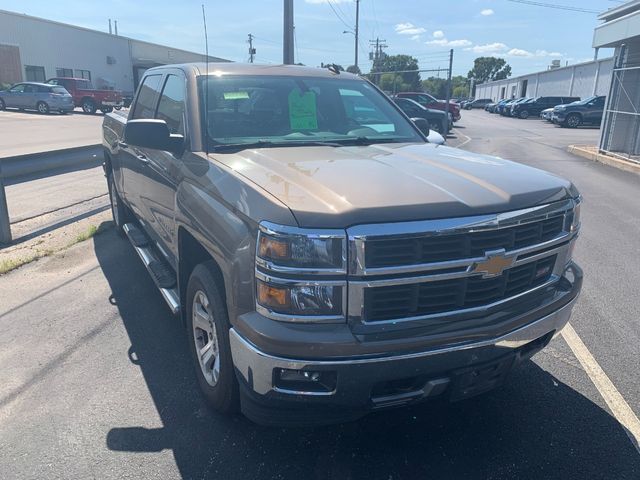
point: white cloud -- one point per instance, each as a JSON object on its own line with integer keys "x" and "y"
{"x": 443, "y": 42}
{"x": 460, "y": 43}
{"x": 438, "y": 34}
{"x": 487, "y": 11}
{"x": 408, "y": 29}
{"x": 415, "y": 37}
{"x": 518, "y": 52}
{"x": 488, "y": 48}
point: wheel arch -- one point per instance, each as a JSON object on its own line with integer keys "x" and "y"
{"x": 192, "y": 253}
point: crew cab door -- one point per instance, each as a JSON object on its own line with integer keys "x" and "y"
{"x": 164, "y": 169}
{"x": 133, "y": 161}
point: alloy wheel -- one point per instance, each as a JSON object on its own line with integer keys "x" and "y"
{"x": 205, "y": 338}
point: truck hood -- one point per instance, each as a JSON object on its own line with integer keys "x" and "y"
{"x": 336, "y": 187}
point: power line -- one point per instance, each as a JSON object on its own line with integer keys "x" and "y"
{"x": 555, "y": 5}
{"x": 338, "y": 15}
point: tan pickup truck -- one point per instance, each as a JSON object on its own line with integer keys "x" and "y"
{"x": 325, "y": 259}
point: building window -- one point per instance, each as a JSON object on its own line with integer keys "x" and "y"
{"x": 64, "y": 72}
{"x": 86, "y": 74}
{"x": 34, "y": 73}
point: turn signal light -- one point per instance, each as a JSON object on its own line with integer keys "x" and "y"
{"x": 270, "y": 247}
{"x": 274, "y": 297}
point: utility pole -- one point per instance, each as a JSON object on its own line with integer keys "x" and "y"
{"x": 471, "y": 80}
{"x": 287, "y": 43}
{"x": 377, "y": 54}
{"x": 446, "y": 107}
{"x": 357, "y": 26}
{"x": 252, "y": 51}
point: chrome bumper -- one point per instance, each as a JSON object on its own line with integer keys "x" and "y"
{"x": 256, "y": 367}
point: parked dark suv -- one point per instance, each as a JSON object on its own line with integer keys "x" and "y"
{"x": 479, "y": 103}
{"x": 535, "y": 107}
{"x": 587, "y": 111}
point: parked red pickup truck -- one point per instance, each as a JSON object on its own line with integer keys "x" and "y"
{"x": 428, "y": 101}
{"x": 87, "y": 97}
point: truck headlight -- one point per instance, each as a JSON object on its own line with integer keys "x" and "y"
{"x": 292, "y": 266}
{"x": 284, "y": 248}
{"x": 572, "y": 219}
{"x": 298, "y": 299}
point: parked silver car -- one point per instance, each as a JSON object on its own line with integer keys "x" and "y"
{"x": 37, "y": 96}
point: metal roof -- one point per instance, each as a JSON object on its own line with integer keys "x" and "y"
{"x": 616, "y": 12}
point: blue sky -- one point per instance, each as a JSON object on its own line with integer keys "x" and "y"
{"x": 528, "y": 37}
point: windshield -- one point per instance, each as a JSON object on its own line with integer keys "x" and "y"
{"x": 286, "y": 110}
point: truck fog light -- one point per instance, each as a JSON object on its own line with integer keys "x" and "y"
{"x": 305, "y": 381}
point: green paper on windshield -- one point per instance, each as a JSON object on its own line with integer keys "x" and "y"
{"x": 236, "y": 95}
{"x": 302, "y": 110}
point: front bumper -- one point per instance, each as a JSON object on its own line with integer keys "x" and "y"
{"x": 558, "y": 117}
{"x": 366, "y": 383}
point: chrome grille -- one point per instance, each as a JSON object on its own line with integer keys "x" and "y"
{"x": 417, "y": 270}
{"x": 418, "y": 299}
{"x": 442, "y": 248}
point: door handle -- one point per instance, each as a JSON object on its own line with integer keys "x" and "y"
{"x": 143, "y": 158}
{"x": 123, "y": 145}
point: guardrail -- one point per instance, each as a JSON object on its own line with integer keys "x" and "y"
{"x": 38, "y": 163}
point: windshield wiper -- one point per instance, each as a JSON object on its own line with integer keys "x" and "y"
{"x": 230, "y": 147}
{"x": 372, "y": 140}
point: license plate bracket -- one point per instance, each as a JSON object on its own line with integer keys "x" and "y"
{"x": 472, "y": 381}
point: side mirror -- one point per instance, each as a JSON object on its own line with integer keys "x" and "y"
{"x": 152, "y": 133}
{"x": 422, "y": 125}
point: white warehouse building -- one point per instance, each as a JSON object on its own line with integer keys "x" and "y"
{"x": 580, "y": 80}
{"x": 35, "y": 49}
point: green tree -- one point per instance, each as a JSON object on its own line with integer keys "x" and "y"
{"x": 393, "y": 83}
{"x": 438, "y": 86}
{"x": 354, "y": 69}
{"x": 398, "y": 63}
{"x": 487, "y": 69}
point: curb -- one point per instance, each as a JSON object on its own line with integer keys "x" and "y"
{"x": 591, "y": 153}
{"x": 21, "y": 165}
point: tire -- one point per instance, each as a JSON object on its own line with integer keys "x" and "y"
{"x": 2, "y": 105}
{"x": 106, "y": 110}
{"x": 524, "y": 114}
{"x": 205, "y": 298}
{"x": 118, "y": 108}
{"x": 42, "y": 107}
{"x": 573, "y": 120}
{"x": 88, "y": 106}
{"x": 119, "y": 210}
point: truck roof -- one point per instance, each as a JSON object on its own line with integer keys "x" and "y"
{"x": 232, "y": 68}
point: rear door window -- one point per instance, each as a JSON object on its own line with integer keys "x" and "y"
{"x": 145, "y": 106}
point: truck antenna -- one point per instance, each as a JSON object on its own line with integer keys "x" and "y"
{"x": 205, "y": 84}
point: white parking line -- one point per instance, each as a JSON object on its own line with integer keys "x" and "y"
{"x": 618, "y": 405}
{"x": 468, "y": 139}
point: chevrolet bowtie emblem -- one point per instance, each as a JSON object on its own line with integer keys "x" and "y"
{"x": 494, "y": 263}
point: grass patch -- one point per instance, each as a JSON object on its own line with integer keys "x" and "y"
{"x": 9, "y": 264}
{"x": 13, "y": 263}
{"x": 86, "y": 235}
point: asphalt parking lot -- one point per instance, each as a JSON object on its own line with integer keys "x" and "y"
{"x": 97, "y": 383}
{"x": 31, "y": 132}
